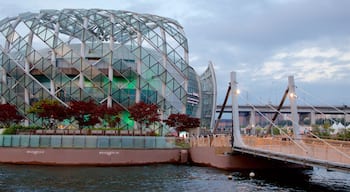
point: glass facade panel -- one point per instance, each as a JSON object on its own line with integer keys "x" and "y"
{"x": 150, "y": 142}
{"x": 1, "y": 140}
{"x": 91, "y": 141}
{"x": 208, "y": 93}
{"x": 7, "y": 141}
{"x": 16, "y": 140}
{"x": 139, "y": 142}
{"x": 127, "y": 142}
{"x": 34, "y": 141}
{"x": 25, "y": 140}
{"x": 67, "y": 141}
{"x": 79, "y": 141}
{"x": 45, "y": 141}
{"x": 164, "y": 142}
{"x": 56, "y": 141}
{"x": 155, "y": 62}
{"x": 103, "y": 142}
{"x": 115, "y": 142}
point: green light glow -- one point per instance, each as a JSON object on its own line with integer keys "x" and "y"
{"x": 124, "y": 118}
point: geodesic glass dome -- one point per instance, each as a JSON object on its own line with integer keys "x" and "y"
{"x": 109, "y": 56}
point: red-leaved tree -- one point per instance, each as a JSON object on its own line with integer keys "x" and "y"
{"x": 182, "y": 122}
{"x": 110, "y": 114}
{"x": 85, "y": 112}
{"x": 144, "y": 114}
{"x": 9, "y": 114}
{"x": 50, "y": 110}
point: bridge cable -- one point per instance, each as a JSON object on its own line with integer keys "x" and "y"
{"x": 333, "y": 147}
{"x": 314, "y": 108}
{"x": 318, "y": 138}
{"x": 266, "y": 118}
{"x": 333, "y": 107}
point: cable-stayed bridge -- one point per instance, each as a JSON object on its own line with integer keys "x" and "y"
{"x": 307, "y": 149}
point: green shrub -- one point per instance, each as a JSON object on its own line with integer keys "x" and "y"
{"x": 181, "y": 143}
{"x": 275, "y": 131}
{"x": 105, "y": 129}
{"x": 14, "y": 128}
{"x": 9, "y": 131}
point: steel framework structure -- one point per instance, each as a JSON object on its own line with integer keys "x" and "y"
{"x": 109, "y": 56}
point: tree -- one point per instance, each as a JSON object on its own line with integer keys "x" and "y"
{"x": 144, "y": 113}
{"x": 182, "y": 122}
{"x": 85, "y": 112}
{"x": 50, "y": 110}
{"x": 110, "y": 114}
{"x": 9, "y": 114}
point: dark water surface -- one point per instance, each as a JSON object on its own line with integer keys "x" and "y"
{"x": 164, "y": 178}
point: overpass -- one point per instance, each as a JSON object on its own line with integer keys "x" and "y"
{"x": 336, "y": 110}
{"x": 302, "y": 111}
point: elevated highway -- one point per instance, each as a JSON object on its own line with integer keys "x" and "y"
{"x": 336, "y": 110}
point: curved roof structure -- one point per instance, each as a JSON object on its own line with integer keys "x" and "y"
{"x": 113, "y": 57}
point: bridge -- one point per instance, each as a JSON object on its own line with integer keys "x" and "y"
{"x": 304, "y": 111}
{"x": 333, "y": 110}
{"x": 307, "y": 149}
{"x": 310, "y": 152}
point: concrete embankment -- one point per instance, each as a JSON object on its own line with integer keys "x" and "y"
{"x": 209, "y": 151}
{"x": 106, "y": 157}
{"x": 219, "y": 157}
{"x": 216, "y": 152}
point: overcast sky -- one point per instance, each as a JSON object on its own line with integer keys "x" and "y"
{"x": 264, "y": 41}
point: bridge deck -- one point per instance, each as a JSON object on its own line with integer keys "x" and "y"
{"x": 334, "y": 155}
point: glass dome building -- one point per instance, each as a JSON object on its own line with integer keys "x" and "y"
{"x": 109, "y": 56}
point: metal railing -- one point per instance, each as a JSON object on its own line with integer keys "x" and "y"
{"x": 83, "y": 141}
{"x": 315, "y": 151}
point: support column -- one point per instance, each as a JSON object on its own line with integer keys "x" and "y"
{"x": 138, "y": 68}
{"x": 27, "y": 71}
{"x": 3, "y": 82}
{"x": 293, "y": 107}
{"x": 82, "y": 54}
{"x": 347, "y": 117}
{"x": 252, "y": 122}
{"x": 53, "y": 87}
{"x": 110, "y": 68}
{"x": 164, "y": 64}
{"x": 235, "y": 113}
{"x": 312, "y": 117}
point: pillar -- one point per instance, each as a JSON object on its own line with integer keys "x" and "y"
{"x": 235, "y": 113}
{"x": 138, "y": 68}
{"x": 252, "y": 121}
{"x": 293, "y": 107}
{"x": 312, "y": 117}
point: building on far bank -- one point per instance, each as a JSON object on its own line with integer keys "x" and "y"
{"x": 109, "y": 56}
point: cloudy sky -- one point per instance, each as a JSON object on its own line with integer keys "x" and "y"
{"x": 264, "y": 41}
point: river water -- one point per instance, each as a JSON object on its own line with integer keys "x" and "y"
{"x": 164, "y": 177}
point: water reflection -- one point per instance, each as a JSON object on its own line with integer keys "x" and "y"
{"x": 164, "y": 178}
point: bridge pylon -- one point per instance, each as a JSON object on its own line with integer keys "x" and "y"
{"x": 237, "y": 138}
{"x": 293, "y": 106}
